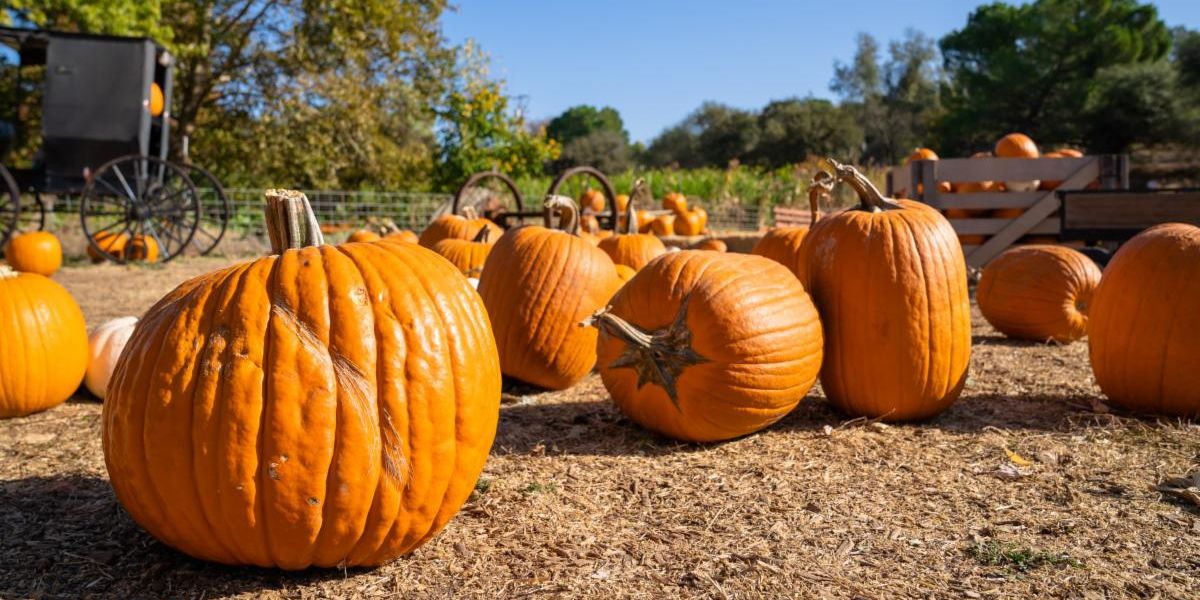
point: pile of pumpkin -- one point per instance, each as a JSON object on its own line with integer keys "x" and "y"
{"x": 334, "y": 404}
{"x": 1013, "y": 145}
{"x": 675, "y": 217}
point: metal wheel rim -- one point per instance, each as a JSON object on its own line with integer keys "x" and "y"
{"x": 10, "y": 207}
{"x": 214, "y": 212}
{"x": 135, "y": 199}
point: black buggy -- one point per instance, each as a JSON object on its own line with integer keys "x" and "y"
{"x": 105, "y": 125}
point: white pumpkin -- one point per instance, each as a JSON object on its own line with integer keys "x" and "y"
{"x": 105, "y": 344}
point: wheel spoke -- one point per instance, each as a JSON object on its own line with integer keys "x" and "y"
{"x": 125, "y": 184}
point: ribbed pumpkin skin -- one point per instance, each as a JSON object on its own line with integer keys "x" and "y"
{"x": 782, "y": 245}
{"x": 537, "y": 285}
{"x": 327, "y": 406}
{"x": 34, "y": 252}
{"x": 625, "y": 272}
{"x": 1144, "y": 326}
{"x": 466, "y": 255}
{"x": 457, "y": 227}
{"x": 43, "y": 344}
{"x": 755, "y": 326}
{"x": 1038, "y": 292}
{"x": 633, "y": 250}
{"x": 891, "y": 288}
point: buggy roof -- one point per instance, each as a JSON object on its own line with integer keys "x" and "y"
{"x": 31, "y": 44}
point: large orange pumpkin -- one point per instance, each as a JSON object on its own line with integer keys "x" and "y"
{"x": 890, "y": 282}
{"x": 43, "y": 344}
{"x": 458, "y": 227}
{"x": 782, "y": 245}
{"x": 629, "y": 247}
{"x": 34, "y": 252}
{"x": 325, "y": 406}
{"x": 703, "y": 346}
{"x": 109, "y": 242}
{"x": 467, "y": 256}
{"x": 1018, "y": 145}
{"x": 142, "y": 248}
{"x": 1038, "y": 293}
{"x": 1144, "y": 325}
{"x": 537, "y": 284}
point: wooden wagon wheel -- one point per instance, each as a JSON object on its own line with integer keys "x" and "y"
{"x": 474, "y": 179}
{"x": 215, "y": 209}
{"x": 150, "y": 202}
{"x": 604, "y": 183}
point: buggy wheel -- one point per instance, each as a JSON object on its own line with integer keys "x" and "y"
{"x": 10, "y": 207}
{"x": 215, "y": 209}
{"x": 149, "y": 204}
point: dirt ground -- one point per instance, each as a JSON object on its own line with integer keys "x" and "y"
{"x": 1028, "y": 486}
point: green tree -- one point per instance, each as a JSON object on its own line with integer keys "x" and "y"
{"x": 480, "y": 132}
{"x": 1136, "y": 103}
{"x": 605, "y": 150}
{"x": 676, "y": 146}
{"x": 793, "y": 129}
{"x": 583, "y": 120}
{"x": 712, "y": 135}
{"x": 1031, "y": 67}
{"x": 111, "y": 17}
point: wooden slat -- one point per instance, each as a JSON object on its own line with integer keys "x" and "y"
{"x": 792, "y": 217}
{"x": 1035, "y": 214}
{"x": 993, "y": 226}
{"x": 987, "y": 200}
{"x": 1010, "y": 169}
{"x": 1129, "y": 211}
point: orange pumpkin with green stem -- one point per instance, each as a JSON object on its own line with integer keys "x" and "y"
{"x": 326, "y": 406}
{"x": 704, "y": 346}
{"x": 537, "y": 284}
{"x": 1144, "y": 323}
{"x": 890, "y": 282}
{"x": 43, "y": 343}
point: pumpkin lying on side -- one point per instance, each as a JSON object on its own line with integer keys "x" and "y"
{"x": 43, "y": 343}
{"x": 323, "y": 406}
{"x": 1144, "y": 325}
{"x": 458, "y": 227}
{"x": 34, "y": 252}
{"x": 704, "y": 346}
{"x": 467, "y": 256}
{"x": 890, "y": 282}
{"x": 141, "y": 248}
{"x": 1038, "y": 293}
{"x": 629, "y": 247}
{"x": 109, "y": 242}
{"x": 536, "y": 284}
{"x": 105, "y": 343}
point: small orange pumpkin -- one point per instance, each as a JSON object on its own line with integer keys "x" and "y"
{"x": 663, "y": 225}
{"x": 974, "y": 187}
{"x": 364, "y": 235}
{"x": 537, "y": 284}
{"x": 109, "y": 242}
{"x": 622, "y": 202}
{"x": 1038, "y": 292}
{"x": 403, "y": 235}
{"x": 702, "y": 346}
{"x": 468, "y": 256}
{"x": 689, "y": 223}
{"x": 593, "y": 200}
{"x": 34, "y": 252}
{"x": 1144, "y": 323}
{"x": 43, "y": 343}
{"x": 674, "y": 201}
{"x": 142, "y": 248}
{"x": 1052, "y": 184}
{"x": 923, "y": 154}
{"x": 631, "y": 248}
{"x": 1018, "y": 145}
{"x": 460, "y": 227}
{"x": 712, "y": 244}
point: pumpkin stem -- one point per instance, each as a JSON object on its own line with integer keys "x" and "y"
{"x": 469, "y": 212}
{"x": 870, "y": 198}
{"x": 565, "y": 209}
{"x": 7, "y": 272}
{"x": 630, "y": 213}
{"x": 658, "y": 357}
{"x": 484, "y": 233}
{"x": 822, "y": 184}
{"x": 291, "y": 223}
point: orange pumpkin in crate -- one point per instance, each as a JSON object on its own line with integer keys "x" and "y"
{"x": 1018, "y": 145}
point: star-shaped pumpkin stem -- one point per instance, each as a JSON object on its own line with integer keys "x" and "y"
{"x": 658, "y": 357}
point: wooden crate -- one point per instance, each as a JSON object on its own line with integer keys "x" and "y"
{"x": 1122, "y": 214}
{"x": 920, "y": 180}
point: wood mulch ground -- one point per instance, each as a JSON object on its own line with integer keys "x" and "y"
{"x": 1028, "y": 486}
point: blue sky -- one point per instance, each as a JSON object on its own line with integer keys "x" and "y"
{"x": 657, "y": 60}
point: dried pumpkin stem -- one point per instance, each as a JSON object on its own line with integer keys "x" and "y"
{"x": 469, "y": 212}
{"x": 631, "y": 226}
{"x": 822, "y": 184}
{"x": 484, "y": 233}
{"x": 658, "y": 357}
{"x": 869, "y": 197}
{"x": 7, "y": 272}
{"x": 566, "y": 212}
{"x": 291, "y": 223}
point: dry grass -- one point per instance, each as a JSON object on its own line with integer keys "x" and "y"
{"x": 577, "y": 501}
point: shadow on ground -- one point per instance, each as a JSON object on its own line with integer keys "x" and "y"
{"x": 67, "y": 537}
